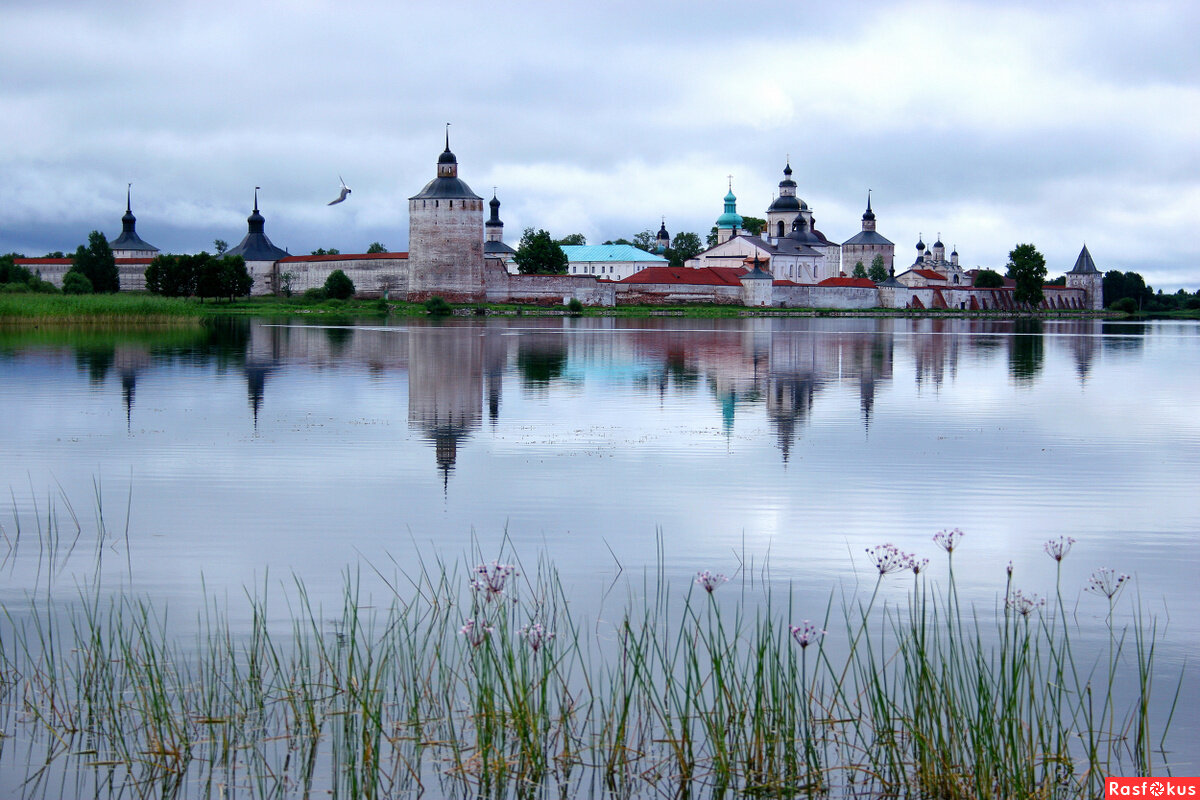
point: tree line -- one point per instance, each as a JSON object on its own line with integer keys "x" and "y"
{"x": 539, "y": 253}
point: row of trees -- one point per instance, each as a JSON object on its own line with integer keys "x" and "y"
{"x": 93, "y": 269}
{"x": 201, "y": 275}
{"x": 1128, "y": 291}
{"x": 877, "y": 271}
{"x": 541, "y": 254}
{"x": 15, "y": 278}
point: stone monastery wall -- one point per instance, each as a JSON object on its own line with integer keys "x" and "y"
{"x": 372, "y": 273}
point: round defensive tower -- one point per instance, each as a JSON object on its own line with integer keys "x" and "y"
{"x": 445, "y": 236}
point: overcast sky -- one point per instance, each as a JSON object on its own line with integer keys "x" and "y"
{"x": 990, "y": 123}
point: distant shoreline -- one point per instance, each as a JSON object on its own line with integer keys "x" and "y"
{"x": 142, "y": 308}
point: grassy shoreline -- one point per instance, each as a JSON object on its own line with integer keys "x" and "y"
{"x": 480, "y": 679}
{"x": 147, "y": 309}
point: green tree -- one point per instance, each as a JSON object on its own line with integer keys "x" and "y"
{"x": 1119, "y": 284}
{"x": 437, "y": 306}
{"x": 235, "y": 278}
{"x": 339, "y": 286}
{"x": 220, "y": 245}
{"x": 76, "y": 283}
{"x": 620, "y": 241}
{"x": 988, "y": 279}
{"x": 376, "y": 247}
{"x": 860, "y": 271}
{"x": 1027, "y": 267}
{"x": 55, "y": 254}
{"x": 10, "y": 272}
{"x": 878, "y": 272}
{"x": 645, "y": 240}
{"x": 208, "y": 276}
{"x": 97, "y": 264}
{"x": 321, "y": 251}
{"x": 685, "y": 245}
{"x": 172, "y": 276}
{"x": 539, "y": 255}
{"x": 571, "y": 239}
{"x": 753, "y": 225}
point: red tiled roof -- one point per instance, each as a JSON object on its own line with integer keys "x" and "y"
{"x": 342, "y": 257}
{"x": 930, "y": 274}
{"x": 864, "y": 283}
{"x": 701, "y": 276}
{"x": 35, "y": 261}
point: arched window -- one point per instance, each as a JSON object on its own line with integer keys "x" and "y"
{"x": 779, "y": 229}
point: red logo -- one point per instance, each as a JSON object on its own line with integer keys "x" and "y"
{"x": 1151, "y": 787}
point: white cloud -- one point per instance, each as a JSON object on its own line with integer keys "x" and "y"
{"x": 996, "y": 122}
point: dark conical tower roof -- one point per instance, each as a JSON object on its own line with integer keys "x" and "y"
{"x": 494, "y": 203}
{"x": 868, "y": 214}
{"x": 129, "y": 240}
{"x": 256, "y": 246}
{"x": 447, "y": 157}
{"x": 1084, "y": 264}
{"x": 447, "y": 185}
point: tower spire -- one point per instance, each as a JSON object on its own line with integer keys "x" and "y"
{"x": 256, "y": 188}
{"x": 129, "y": 198}
{"x": 447, "y": 137}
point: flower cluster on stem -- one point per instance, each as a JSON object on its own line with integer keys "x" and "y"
{"x": 948, "y": 540}
{"x": 1106, "y": 581}
{"x": 1058, "y": 548}
{"x": 535, "y": 635}
{"x": 490, "y": 579}
{"x": 888, "y": 558}
{"x": 476, "y": 632}
{"x": 709, "y": 581}
{"x": 1024, "y": 604}
{"x": 805, "y": 633}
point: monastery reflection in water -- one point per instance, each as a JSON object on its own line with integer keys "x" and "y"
{"x": 784, "y": 364}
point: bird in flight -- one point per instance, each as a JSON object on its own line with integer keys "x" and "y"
{"x": 342, "y": 196}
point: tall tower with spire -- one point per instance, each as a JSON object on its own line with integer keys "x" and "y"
{"x": 445, "y": 236}
{"x": 493, "y": 245}
{"x": 129, "y": 244}
{"x": 260, "y": 253}
{"x": 729, "y": 222}
{"x": 865, "y": 245}
{"x": 662, "y": 240}
{"x": 782, "y": 213}
{"x": 1085, "y": 276}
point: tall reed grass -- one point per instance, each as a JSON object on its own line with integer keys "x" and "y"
{"x": 477, "y": 679}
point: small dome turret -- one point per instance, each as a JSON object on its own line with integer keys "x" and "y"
{"x": 730, "y": 219}
{"x": 129, "y": 242}
{"x": 787, "y": 182}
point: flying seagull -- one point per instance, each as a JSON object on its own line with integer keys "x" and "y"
{"x": 342, "y": 196}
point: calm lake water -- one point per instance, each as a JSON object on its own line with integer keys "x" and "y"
{"x": 247, "y": 452}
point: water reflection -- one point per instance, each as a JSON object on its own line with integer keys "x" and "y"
{"x": 445, "y": 389}
{"x": 783, "y": 366}
{"x": 1026, "y": 350}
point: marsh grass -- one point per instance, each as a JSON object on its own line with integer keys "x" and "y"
{"x": 476, "y": 679}
{"x": 99, "y": 309}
